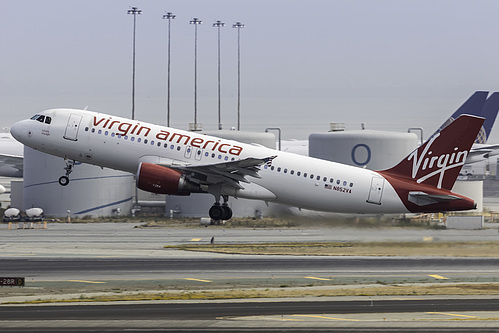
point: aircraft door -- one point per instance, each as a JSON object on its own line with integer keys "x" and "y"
{"x": 72, "y": 127}
{"x": 376, "y": 190}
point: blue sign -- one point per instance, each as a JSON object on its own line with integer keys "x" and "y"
{"x": 362, "y": 147}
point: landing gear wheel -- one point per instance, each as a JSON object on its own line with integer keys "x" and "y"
{"x": 227, "y": 213}
{"x": 216, "y": 212}
{"x": 64, "y": 180}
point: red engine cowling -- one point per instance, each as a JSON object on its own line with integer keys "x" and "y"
{"x": 159, "y": 179}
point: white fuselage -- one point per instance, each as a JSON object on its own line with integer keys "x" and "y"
{"x": 121, "y": 144}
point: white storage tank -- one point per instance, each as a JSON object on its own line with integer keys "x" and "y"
{"x": 375, "y": 150}
{"x": 92, "y": 191}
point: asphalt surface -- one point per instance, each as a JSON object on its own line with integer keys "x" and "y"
{"x": 81, "y": 259}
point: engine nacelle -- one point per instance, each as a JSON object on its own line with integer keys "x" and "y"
{"x": 159, "y": 179}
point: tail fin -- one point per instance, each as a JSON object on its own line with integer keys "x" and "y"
{"x": 478, "y": 105}
{"x": 473, "y": 106}
{"x": 489, "y": 112}
{"x": 438, "y": 161}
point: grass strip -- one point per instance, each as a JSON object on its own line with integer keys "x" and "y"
{"x": 445, "y": 249}
{"x": 395, "y": 290}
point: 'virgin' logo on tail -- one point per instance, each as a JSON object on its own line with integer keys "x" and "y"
{"x": 435, "y": 164}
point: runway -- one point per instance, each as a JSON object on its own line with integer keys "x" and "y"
{"x": 69, "y": 261}
{"x": 354, "y": 316}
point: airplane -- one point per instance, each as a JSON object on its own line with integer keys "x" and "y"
{"x": 176, "y": 162}
{"x": 479, "y": 105}
{"x": 11, "y": 156}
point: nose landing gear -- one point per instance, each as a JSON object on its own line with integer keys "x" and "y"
{"x": 64, "y": 180}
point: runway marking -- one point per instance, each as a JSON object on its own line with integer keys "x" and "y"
{"x": 316, "y": 278}
{"x": 451, "y": 314}
{"x": 191, "y": 279}
{"x": 439, "y": 277}
{"x": 196, "y": 239}
{"x": 85, "y": 281}
{"x": 324, "y": 317}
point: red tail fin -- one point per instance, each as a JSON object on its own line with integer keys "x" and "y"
{"x": 438, "y": 161}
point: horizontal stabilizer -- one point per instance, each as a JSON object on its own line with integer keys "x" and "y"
{"x": 423, "y": 199}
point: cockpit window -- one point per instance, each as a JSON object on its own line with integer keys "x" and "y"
{"x": 42, "y": 119}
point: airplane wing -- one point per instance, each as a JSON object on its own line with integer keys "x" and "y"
{"x": 11, "y": 165}
{"x": 226, "y": 173}
{"x": 423, "y": 199}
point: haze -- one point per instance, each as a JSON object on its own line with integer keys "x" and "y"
{"x": 304, "y": 64}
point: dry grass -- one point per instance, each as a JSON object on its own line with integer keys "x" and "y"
{"x": 398, "y": 290}
{"x": 446, "y": 249}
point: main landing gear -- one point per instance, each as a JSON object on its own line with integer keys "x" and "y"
{"x": 221, "y": 211}
{"x": 64, "y": 180}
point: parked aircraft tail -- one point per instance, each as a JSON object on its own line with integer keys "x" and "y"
{"x": 478, "y": 105}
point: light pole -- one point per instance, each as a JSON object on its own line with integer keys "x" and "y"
{"x": 196, "y": 22}
{"x": 134, "y": 11}
{"x": 238, "y": 25}
{"x": 169, "y": 16}
{"x": 218, "y": 25}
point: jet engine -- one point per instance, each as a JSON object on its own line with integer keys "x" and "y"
{"x": 159, "y": 179}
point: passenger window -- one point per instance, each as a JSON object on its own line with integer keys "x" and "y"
{"x": 279, "y": 169}
{"x": 312, "y": 176}
{"x": 298, "y": 173}
{"x": 331, "y": 180}
{"x": 285, "y": 170}
{"x": 292, "y": 172}
{"x": 325, "y": 179}
{"x": 305, "y": 175}
{"x": 145, "y": 140}
{"x": 338, "y": 182}
{"x": 318, "y": 177}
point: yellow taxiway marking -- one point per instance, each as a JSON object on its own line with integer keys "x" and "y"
{"x": 316, "y": 278}
{"x": 440, "y": 277}
{"x": 451, "y": 314}
{"x": 84, "y": 281}
{"x": 191, "y": 279}
{"x": 195, "y": 239}
{"x": 324, "y": 317}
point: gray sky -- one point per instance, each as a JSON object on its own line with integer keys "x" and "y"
{"x": 390, "y": 64}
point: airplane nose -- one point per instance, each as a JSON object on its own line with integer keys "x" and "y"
{"x": 19, "y": 130}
